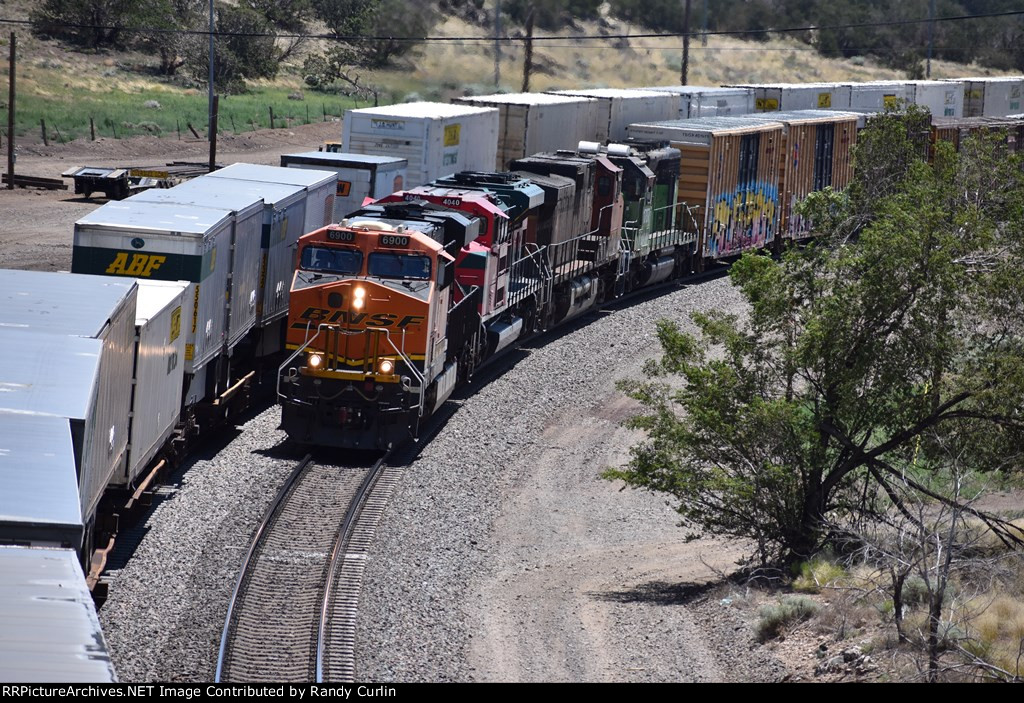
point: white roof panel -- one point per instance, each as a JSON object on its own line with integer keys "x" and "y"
{"x": 49, "y": 631}
{"x": 59, "y": 303}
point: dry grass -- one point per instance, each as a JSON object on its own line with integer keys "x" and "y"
{"x": 442, "y": 70}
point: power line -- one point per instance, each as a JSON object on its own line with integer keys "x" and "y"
{"x": 353, "y": 39}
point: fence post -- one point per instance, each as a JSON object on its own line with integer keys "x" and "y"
{"x": 271, "y": 108}
{"x": 42, "y": 126}
{"x": 324, "y": 105}
{"x": 92, "y": 129}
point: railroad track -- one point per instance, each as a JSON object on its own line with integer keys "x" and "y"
{"x": 292, "y": 614}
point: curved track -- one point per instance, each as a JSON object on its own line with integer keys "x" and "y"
{"x": 286, "y": 621}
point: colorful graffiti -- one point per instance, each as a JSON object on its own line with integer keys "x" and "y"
{"x": 744, "y": 219}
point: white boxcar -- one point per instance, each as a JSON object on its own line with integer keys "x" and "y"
{"x": 169, "y": 242}
{"x": 39, "y": 503}
{"x": 246, "y": 234}
{"x": 319, "y": 185}
{"x": 44, "y": 374}
{"x": 709, "y": 101}
{"x": 878, "y": 96}
{"x": 623, "y": 107}
{"x": 992, "y": 97}
{"x": 529, "y": 123}
{"x": 50, "y": 632}
{"x": 360, "y": 176}
{"x": 159, "y": 368}
{"x": 769, "y": 97}
{"x": 84, "y": 306}
{"x": 437, "y": 139}
{"x": 942, "y": 98}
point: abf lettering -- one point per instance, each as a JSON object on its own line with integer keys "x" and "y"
{"x": 141, "y": 265}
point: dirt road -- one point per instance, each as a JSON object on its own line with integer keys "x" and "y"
{"x": 37, "y": 226}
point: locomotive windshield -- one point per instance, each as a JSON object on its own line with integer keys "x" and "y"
{"x": 331, "y": 260}
{"x": 385, "y": 265}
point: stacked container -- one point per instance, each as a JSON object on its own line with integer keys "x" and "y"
{"x": 707, "y": 101}
{"x": 992, "y": 97}
{"x": 246, "y": 211}
{"x": 48, "y": 620}
{"x": 39, "y": 503}
{"x": 61, "y": 378}
{"x": 437, "y": 139}
{"x": 159, "y": 369}
{"x": 89, "y": 307}
{"x": 359, "y": 176}
{"x": 728, "y": 180}
{"x": 879, "y": 96}
{"x": 942, "y": 98}
{"x": 320, "y": 187}
{"x": 622, "y": 108}
{"x": 785, "y": 97}
{"x": 168, "y": 242}
{"x": 529, "y": 123}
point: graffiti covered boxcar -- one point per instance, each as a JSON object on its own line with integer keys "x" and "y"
{"x": 728, "y": 180}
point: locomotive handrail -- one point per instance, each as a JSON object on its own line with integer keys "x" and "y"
{"x": 387, "y": 336}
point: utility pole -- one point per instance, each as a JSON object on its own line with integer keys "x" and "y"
{"x": 704, "y": 36}
{"x": 528, "y": 51}
{"x": 10, "y": 120}
{"x": 686, "y": 43}
{"x": 497, "y": 43}
{"x": 212, "y": 135}
{"x": 210, "y": 100}
{"x": 931, "y": 38}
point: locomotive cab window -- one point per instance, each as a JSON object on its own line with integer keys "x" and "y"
{"x": 331, "y": 260}
{"x": 387, "y": 265}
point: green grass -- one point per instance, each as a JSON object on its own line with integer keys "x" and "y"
{"x": 123, "y": 113}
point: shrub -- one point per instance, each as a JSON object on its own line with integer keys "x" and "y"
{"x": 789, "y": 612}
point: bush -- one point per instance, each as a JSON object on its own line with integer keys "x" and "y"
{"x": 817, "y": 574}
{"x": 791, "y": 611}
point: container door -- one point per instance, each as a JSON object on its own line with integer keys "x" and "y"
{"x": 823, "y": 151}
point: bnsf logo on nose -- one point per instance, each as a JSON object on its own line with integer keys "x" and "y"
{"x": 141, "y": 265}
{"x": 343, "y": 316}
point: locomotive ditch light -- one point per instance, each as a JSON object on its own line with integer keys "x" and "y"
{"x": 387, "y": 366}
{"x": 314, "y": 361}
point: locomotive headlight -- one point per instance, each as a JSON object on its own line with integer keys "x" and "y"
{"x": 360, "y": 293}
{"x": 360, "y": 298}
{"x": 357, "y": 303}
{"x": 314, "y": 361}
{"x": 387, "y": 366}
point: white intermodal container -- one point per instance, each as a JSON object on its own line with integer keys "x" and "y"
{"x": 359, "y": 176}
{"x": 246, "y": 233}
{"x": 319, "y": 185}
{"x": 159, "y": 368}
{"x": 623, "y": 107}
{"x": 530, "y": 123}
{"x": 169, "y": 242}
{"x": 942, "y": 98}
{"x": 709, "y": 101}
{"x": 878, "y": 96}
{"x": 772, "y": 97}
{"x": 991, "y": 97}
{"x": 63, "y": 307}
{"x": 437, "y": 139}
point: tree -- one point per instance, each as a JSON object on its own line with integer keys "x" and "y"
{"x": 904, "y": 322}
{"x": 94, "y": 23}
{"x": 245, "y": 48}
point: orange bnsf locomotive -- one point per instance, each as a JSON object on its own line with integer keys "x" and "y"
{"x": 401, "y": 301}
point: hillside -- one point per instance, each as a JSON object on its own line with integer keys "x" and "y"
{"x": 124, "y": 96}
